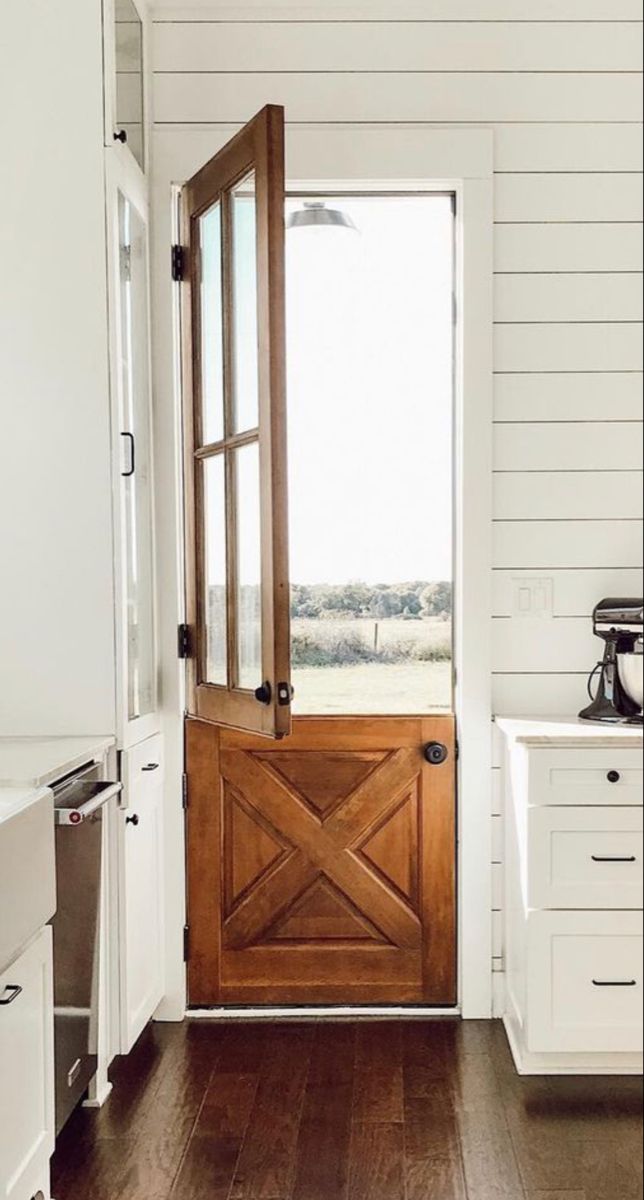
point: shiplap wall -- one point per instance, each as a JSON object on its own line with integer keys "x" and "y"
{"x": 559, "y": 80}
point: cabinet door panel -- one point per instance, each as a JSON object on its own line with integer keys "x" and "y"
{"x": 124, "y": 54}
{"x": 27, "y": 1070}
{"x": 135, "y": 575}
{"x": 141, "y": 891}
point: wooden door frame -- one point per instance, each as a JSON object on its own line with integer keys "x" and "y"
{"x": 414, "y": 159}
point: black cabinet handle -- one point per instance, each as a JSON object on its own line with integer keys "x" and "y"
{"x": 129, "y": 437}
{"x": 614, "y": 858}
{"x": 613, "y": 777}
{"x": 618, "y": 983}
{"x": 151, "y": 767}
{"x": 135, "y": 821}
{"x": 10, "y": 994}
{"x": 436, "y": 753}
{"x": 121, "y": 136}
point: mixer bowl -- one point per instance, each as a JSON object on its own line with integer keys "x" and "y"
{"x": 631, "y": 673}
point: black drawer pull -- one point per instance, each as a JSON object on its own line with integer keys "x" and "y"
{"x": 10, "y": 994}
{"x": 618, "y": 983}
{"x": 612, "y": 858}
{"x": 135, "y": 821}
{"x": 613, "y": 777}
{"x": 151, "y": 767}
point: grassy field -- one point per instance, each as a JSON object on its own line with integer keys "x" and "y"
{"x": 411, "y": 639}
{"x": 373, "y": 688}
{"x": 407, "y": 686}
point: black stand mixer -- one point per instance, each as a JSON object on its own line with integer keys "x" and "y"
{"x": 621, "y": 625}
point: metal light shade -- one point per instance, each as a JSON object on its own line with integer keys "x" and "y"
{"x": 316, "y": 215}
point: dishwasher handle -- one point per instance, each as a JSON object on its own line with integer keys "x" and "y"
{"x": 98, "y": 795}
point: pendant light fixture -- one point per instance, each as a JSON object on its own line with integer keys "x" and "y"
{"x": 316, "y": 215}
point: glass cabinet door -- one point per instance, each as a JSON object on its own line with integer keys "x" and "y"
{"x": 137, "y": 550}
{"x": 125, "y": 78}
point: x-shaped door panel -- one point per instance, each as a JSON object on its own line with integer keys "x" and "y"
{"x": 322, "y": 848}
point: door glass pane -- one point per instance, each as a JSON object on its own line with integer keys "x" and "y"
{"x": 212, "y": 331}
{"x": 249, "y": 568}
{"x": 216, "y": 623}
{"x": 246, "y": 393}
{"x": 129, "y": 77}
{"x": 370, "y": 284}
{"x": 137, "y": 477}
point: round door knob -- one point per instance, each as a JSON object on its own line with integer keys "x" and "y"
{"x": 436, "y": 753}
{"x": 614, "y": 777}
{"x": 135, "y": 820}
{"x": 264, "y": 694}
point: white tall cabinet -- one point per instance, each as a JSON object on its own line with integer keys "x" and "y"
{"x": 139, "y": 836}
{"x": 78, "y": 630}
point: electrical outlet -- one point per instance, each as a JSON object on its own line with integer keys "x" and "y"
{"x": 534, "y": 597}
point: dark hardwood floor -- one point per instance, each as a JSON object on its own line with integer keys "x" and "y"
{"x": 382, "y": 1111}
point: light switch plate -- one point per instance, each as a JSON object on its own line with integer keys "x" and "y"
{"x": 534, "y": 597}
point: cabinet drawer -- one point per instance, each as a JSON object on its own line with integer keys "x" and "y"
{"x": 586, "y": 777}
{"x": 586, "y": 858}
{"x": 585, "y": 983}
{"x": 142, "y": 769}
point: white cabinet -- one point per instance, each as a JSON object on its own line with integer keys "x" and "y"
{"x": 574, "y": 962}
{"x": 141, "y": 889}
{"x": 27, "y": 1072}
{"x": 124, "y": 41}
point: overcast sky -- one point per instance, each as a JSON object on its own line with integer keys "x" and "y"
{"x": 370, "y": 364}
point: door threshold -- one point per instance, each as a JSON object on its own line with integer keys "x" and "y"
{"x": 328, "y": 1012}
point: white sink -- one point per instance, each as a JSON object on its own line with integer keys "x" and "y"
{"x": 27, "y": 867}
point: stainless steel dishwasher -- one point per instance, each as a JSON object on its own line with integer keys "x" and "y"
{"x": 79, "y": 803}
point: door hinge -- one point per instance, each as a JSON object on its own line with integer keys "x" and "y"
{"x": 184, "y": 642}
{"x": 178, "y": 263}
{"x": 186, "y": 943}
{"x": 184, "y": 791}
{"x": 457, "y": 749}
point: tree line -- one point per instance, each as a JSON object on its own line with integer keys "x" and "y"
{"x": 413, "y": 601}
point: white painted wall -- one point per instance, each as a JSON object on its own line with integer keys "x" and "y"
{"x": 559, "y": 82}
{"x": 56, "y": 603}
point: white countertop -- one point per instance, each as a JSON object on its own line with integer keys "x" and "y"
{"x": 38, "y": 761}
{"x": 568, "y": 731}
{"x": 15, "y": 800}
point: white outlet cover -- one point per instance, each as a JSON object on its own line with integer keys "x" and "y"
{"x": 534, "y": 597}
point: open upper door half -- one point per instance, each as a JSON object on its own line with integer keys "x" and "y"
{"x": 234, "y": 396}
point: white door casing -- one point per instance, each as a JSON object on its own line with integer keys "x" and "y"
{"x": 346, "y": 158}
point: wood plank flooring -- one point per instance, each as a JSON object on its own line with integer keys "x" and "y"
{"x": 371, "y": 1111}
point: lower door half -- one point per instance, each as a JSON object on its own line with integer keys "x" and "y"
{"x": 322, "y": 868}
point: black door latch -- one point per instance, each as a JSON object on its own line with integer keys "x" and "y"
{"x": 436, "y": 753}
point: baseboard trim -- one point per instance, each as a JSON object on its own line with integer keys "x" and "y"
{"x": 567, "y": 1064}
